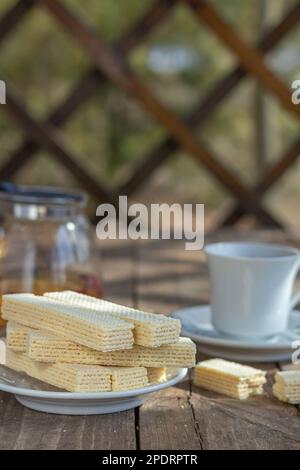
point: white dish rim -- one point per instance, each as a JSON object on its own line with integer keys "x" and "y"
{"x": 28, "y": 392}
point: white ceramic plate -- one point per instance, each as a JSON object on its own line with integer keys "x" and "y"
{"x": 41, "y": 397}
{"x": 244, "y": 355}
{"x": 196, "y": 323}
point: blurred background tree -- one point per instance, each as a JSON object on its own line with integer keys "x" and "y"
{"x": 179, "y": 61}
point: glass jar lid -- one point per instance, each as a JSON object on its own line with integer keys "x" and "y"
{"x": 40, "y": 202}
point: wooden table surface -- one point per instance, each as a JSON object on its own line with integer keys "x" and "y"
{"x": 162, "y": 276}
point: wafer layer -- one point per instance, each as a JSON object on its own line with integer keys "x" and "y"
{"x": 287, "y": 386}
{"x": 128, "y": 378}
{"x": 47, "y": 348}
{"x": 229, "y": 378}
{"x": 71, "y": 377}
{"x": 17, "y": 336}
{"x": 151, "y": 330}
{"x": 79, "y": 378}
{"x": 156, "y": 375}
{"x": 84, "y": 326}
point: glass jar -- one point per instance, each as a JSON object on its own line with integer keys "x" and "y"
{"x": 46, "y": 242}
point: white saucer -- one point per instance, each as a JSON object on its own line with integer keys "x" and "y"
{"x": 196, "y": 323}
{"x": 41, "y": 397}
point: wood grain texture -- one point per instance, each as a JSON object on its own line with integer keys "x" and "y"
{"x": 227, "y": 424}
{"x": 167, "y": 421}
{"x": 162, "y": 276}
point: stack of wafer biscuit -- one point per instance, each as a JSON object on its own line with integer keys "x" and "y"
{"x": 229, "y": 378}
{"x": 150, "y": 330}
{"x": 82, "y": 344}
{"x": 287, "y": 386}
{"x": 101, "y": 332}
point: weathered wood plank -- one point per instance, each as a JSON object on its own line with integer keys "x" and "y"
{"x": 117, "y": 267}
{"x": 21, "y": 428}
{"x": 259, "y": 423}
{"x": 168, "y": 277}
{"x": 167, "y": 421}
{"x": 11, "y": 415}
{"x": 104, "y": 432}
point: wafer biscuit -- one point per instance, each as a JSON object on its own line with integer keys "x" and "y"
{"x": 287, "y": 386}
{"x": 229, "y": 378}
{"x": 17, "y": 336}
{"x": 79, "y": 378}
{"x": 128, "y": 378}
{"x": 151, "y": 330}
{"x": 71, "y": 377}
{"x": 47, "y": 348}
{"x": 156, "y": 375}
{"x": 81, "y": 325}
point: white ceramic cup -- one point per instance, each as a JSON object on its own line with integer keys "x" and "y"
{"x": 251, "y": 287}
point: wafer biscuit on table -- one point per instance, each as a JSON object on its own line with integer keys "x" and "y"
{"x": 229, "y": 378}
{"x": 47, "y": 348}
{"x": 287, "y": 386}
{"x": 79, "y": 378}
{"x": 81, "y": 325}
{"x": 151, "y": 330}
{"x": 156, "y": 375}
{"x": 17, "y": 336}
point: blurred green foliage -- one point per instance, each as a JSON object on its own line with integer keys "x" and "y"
{"x": 111, "y": 132}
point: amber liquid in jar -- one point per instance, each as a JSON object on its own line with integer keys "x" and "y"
{"x": 84, "y": 283}
{"x": 46, "y": 242}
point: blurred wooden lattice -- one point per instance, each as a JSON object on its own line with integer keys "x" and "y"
{"x": 110, "y": 64}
